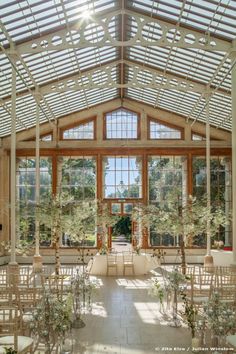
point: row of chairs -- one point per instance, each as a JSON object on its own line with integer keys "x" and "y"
{"x": 204, "y": 281}
{"x": 19, "y": 298}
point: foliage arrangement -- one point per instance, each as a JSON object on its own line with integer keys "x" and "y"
{"x": 104, "y": 220}
{"x": 220, "y": 317}
{"x": 218, "y": 244}
{"x": 190, "y": 314}
{"x": 185, "y": 220}
{"x": 51, "y": 320}
{"x": 175, "y": 281}
{"x": 157, "y": 289}
{"x": 54, "y": 213}
{"x": 82, "y": 289}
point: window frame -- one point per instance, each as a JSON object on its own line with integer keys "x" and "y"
{"x": 127, "y": 199}
{"x": 121, "y": 139}
{"x": 169, "y": 125}
{"x": 77, "y": 124}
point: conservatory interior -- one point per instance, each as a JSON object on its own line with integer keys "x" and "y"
{"x": 117, "y": 176}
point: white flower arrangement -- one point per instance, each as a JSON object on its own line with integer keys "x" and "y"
{"x": 51, "y": 319}
{"x": 175, "y": 281}
{"x": 220, "y": 317}
{"x": 218, "y": 244}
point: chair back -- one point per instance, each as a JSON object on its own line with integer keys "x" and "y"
{"x": 8, "y": 327}
{"x": 127, "y": 257}
{"x": 66, "y": 270}
{"x": 111, "y": 258}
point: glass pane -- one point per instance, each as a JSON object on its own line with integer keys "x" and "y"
{"x": 128, "y": 208}
{"x": 115, "y": 208}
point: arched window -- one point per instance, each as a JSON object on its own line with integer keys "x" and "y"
{"x": 121, "y": 124}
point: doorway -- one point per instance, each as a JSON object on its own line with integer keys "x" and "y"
{"x": 122, "y": 233}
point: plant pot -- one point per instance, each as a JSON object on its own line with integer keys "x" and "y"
{"x": 196, "y": 345}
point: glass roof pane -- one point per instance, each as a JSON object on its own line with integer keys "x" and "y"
{"x": 26, "y": 20}
{"x": 215, "y": 16}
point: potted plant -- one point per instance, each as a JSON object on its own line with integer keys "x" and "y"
{"x": 51, "y": 320}
{"x": 158, "y": 290}
{"x": 190, "y": 317}
{"x": 172, "y": 286}
{"x": 82, "y": 288}
{"x": 220, "y": 318}
{"x": 54, "y": 213}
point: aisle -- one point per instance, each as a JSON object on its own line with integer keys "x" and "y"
{"x": 126, "y": 320}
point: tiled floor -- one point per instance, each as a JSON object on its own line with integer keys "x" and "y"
{"x": 126, "y": 320}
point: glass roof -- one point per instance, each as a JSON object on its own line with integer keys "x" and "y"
{"x": 88, "y": 47}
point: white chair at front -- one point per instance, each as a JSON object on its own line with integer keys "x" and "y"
{"x": 112, "y": 262}
{"x": 9, "y": 332}
{"x": 128, "y": 262}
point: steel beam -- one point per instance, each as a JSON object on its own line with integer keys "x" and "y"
{"x": 84, "y": 34}
{"x": 141, "y": 77}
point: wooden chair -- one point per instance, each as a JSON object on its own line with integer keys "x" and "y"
{"x": 67, "y": 270}
{"x": 112, "y": 262}
{"x": 3, "y": 279}
{"x": 9, "y": 333}
{"x": 227, "y": 295}
{"x": 199, "y": 295}
{"x": 28, "y": 299}
{"x": 128, "y": 262}
{"x": 53, "y": 283}
{"x": 7, "y": 296}
{"x": 89, "y": 267}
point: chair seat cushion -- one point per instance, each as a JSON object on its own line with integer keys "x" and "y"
{"x": 8, "y": 341}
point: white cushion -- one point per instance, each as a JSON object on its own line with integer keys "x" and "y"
{"x": 8, "y": 341}
{"x": 231, "y": 340}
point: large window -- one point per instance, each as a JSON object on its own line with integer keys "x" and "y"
{"x": 167, "y": 179}
{"x": 78, "y": 179}
{"x": 220, "y": 170}
{"x": 26, "y": 188}
{"x": 121, "y": 124}
{"x": 122, "y": 177}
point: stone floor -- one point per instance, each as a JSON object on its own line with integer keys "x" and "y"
{"x": 126, "y": 320}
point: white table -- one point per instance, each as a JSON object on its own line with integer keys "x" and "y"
{"x": 143, "y": 263}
